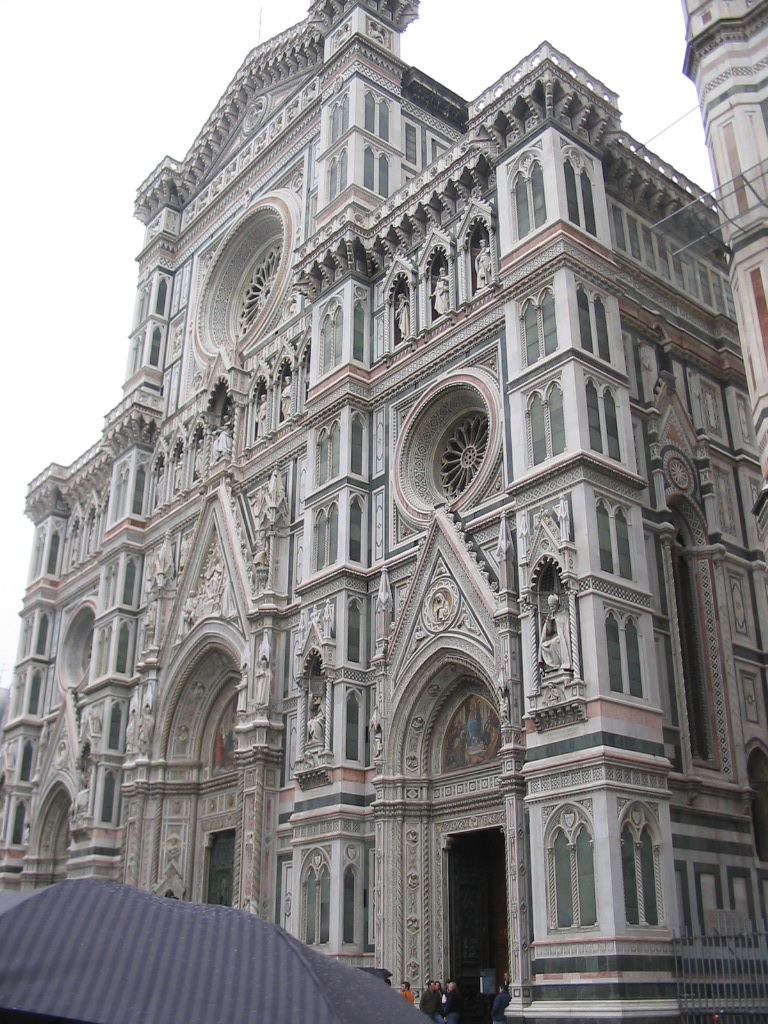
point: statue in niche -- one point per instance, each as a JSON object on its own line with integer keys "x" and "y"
{"x": 263, "y": 674}
{"x": 384, "y": 605}
{"x": 483, "y": 265}
{"x": 261, "y": 414}
{"x": 131, "y": 733}
{"x": 285, "y": 398}
{"x": 377, "y": 731}
{"x": 84, "y": 772}
{"x": 316, "y": 723}
{"x": 441, "y": 293}
{"x": 242, "y": 689}
{"x": 146, "y": 729}
{"x": 222, "y": 445}
{"x": 198, "y": 463}
{"x": 403, "y": 316}
{"x": 328, "y": 620}
{"x": 564, "y": 519}
{"x": 554, "y": 645}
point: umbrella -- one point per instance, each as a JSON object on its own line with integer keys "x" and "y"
{"x": 103, "y": 953}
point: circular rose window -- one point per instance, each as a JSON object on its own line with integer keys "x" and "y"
{"x": 246, "y": 281}
{"x": 448, "y": 446}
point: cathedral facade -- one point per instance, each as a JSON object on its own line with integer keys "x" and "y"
{"x": 411, "y": 597}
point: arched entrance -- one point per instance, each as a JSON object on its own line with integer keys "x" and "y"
{"x": 54, "y": 839}
{"x": 444, "y": 857}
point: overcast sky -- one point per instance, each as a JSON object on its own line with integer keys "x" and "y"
{"x": 94, "y": 95}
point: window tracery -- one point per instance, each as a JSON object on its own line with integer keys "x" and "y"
{"x": 538, "y": 328}
{"x": 641, "y": 867}
{"x": 258, "y": 290}
{"x": 463, "y": 454}
{"x": 571, "y": 870}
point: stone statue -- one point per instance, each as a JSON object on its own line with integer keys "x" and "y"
{"x": 198, "y": 470}
{"x": 377, "y": 731}
{"x": 146, "y": 729}
{"x": 242, "y": 689}
{"x": 441, "y": 294}
{"x": 384, "y": 605}
{"x": 222, "y": 445}
{"x": 285, "y": 398}
{"x": 131, "y": 735}
{"x": 564, "y": 519}
{"x": 403, "y": 316}
{"x": 523, "y": 536}
{"x": 263, "y": 673}
{"x": 316, "y": 723}
{"x": 261, "y": 415}
{"x": 328, "y": 620}
{"x": 554, "y": 645}
{"x": 483, "y": 265}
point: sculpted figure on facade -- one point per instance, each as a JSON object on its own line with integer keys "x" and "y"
{"x": 441, "y": 294}
{"x": 263, "y": 673}
{"x": 384, "y": 605}
{"x": 316, "y": 723}
{"x": 403, "y": 315}
{"x": 146, "y": 729}
{"x": 564, "y": 519}
{"x": 554, "y": 646}
{"x": 285, "y": 397}
{"x": 222, "y": 445}
{"x": 483, "y": 265}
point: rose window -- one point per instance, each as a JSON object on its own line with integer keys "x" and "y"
{"x": 258, "y": 290}
{"x": 463, "y": 454}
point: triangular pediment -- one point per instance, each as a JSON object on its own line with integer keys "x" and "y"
{"x": 211, "y": 585}
{"x": 680, "y": 447}
{"x": 436, "y": 239}
{"x": 449, "y": 602}
{"x": 401, "y": 268}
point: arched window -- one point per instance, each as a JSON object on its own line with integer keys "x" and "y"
{"x": 614, "y": 654}
{"x": 601, "y": 325}
{"x": 25, "y": 774}
{"x": 633, "y": 658}
{"x": 530, "y": 202}
{"x": 154, "y": 352}
{"x": 585, "y": 322}
{"x": 345, "y": 113}
{"x": 573, "y": 903}
{"x": 18, "y": 824}
{"x": 333, "y": 534}
{"x": 589, "y": 206}
{"x": 335, "y": 123}
{"x": 343, "y": 161}
{"x": 383, "y": 120}
{"x": 538, "y": 430}
{"x": 540, "y": 328}
{"x": 333, "y": 179}
{"x": 383, "y": 176}
{"x": 355, "y": 531}
{"x": 53, "y": 555}
{"x": 604, "y": 538}
{"x": 353, "y": 632}
{"x": 571, "y": 196}
{"x": 556, "y": 421}
{"x": 352, "y": 733}
{"x": 162, "y": 292}
{"x": 322, "y": 457}
{"x": 137, "y": 507}
{"x": 318, "y": 906}
{"x": 129, "y": 583}
{"x": 335, "y": 443}
{"x": 593, "y": 418}
{"x": 42, "y": 635}
{"x": 368, "y": 168}
{"x": 638, "y": 862}
{"x": 622, "y": 545}
{"x": 321, "y": 539}
{"x": 35, "y": 686}
{"x": 115, "y": 726}
{"x": 108, "y": 798}
{"x": 123, "y": 643}
{"x": 348, "y": 935}
{"x": 611, "y": 425}
{"x": 358, "y": 333}
{"x": 370, "y": 112}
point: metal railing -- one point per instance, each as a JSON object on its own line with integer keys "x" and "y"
{"x": 722, "y": 976}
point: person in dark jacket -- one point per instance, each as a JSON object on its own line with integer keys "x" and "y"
{"x": 451, "y": 1004}
{"x": 500, "y": 1003}
{"x": 430, "y": 1002}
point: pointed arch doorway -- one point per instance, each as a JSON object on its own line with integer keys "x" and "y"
{"x": 478, "y": 939}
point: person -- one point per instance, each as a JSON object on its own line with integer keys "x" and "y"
{"x": 451, "y": 1003}
{"x": 500, "y": 1003}
{"x": 430, "y": 1002}
{"x": 405, "y": 992}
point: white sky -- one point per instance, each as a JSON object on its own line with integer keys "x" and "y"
{"x": 94, "y": 95}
